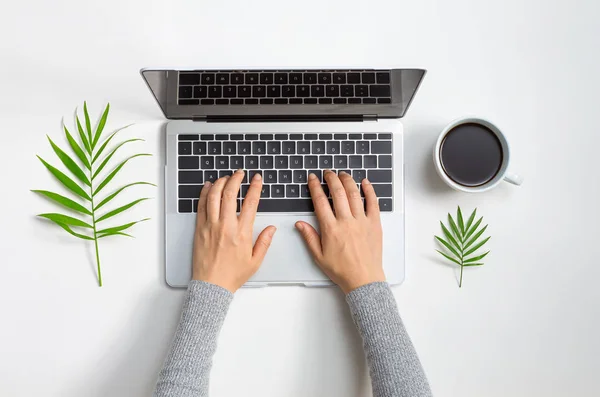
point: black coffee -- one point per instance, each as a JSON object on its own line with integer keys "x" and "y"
{"x": 471, "y": 154}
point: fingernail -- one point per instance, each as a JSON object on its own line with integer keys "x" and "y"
{"x": 327, "y": 172}
{"x": 343, "y": 173}
{"x": 207, "y": 184}
{"x": 300, "y": 226}
{"x": 257, "y": 177}
{"x": 366, "y": 181}
{"x": 272, "y": 232}
{"x": 311, "y": 176}
{"x": 239, "y": 171}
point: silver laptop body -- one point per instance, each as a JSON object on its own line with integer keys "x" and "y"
{"x": 288, "y": 262}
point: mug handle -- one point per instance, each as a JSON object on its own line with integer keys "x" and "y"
{"x": 515, "y": 179}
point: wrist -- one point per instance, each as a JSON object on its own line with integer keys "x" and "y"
{"x": 219, "y": 282}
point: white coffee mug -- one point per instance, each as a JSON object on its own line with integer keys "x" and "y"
{"x": 502, "y": 174}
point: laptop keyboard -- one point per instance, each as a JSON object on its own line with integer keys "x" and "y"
{"x": 284, "y": 161}
{"x": 291, "y": 87}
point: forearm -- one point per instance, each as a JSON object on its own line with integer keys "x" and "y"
{"x": 393, "y": 362}
{"x": 186, "y": 370}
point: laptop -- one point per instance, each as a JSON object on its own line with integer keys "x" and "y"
{"x": 283, "y": 124}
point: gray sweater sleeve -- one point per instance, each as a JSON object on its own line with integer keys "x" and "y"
{"x": 393, "y": 362}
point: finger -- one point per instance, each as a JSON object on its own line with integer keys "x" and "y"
{"x": 250, "y": 203}
{"x": 312, "y": 239}
{"x": 320, "y": 201}
{"x": 371, "y": 198}
{"x": 353, "y": 194}
{"x": 213, "y": 205}
{"x": 338, "y": 194}
{"x": 201, "y": 217}
{"x": 230, "y": 195}
{"x": 262, "y": 244}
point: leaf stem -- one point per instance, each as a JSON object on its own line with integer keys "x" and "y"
{"x": 94, "y": 221}
{"x": 461, "y": 272}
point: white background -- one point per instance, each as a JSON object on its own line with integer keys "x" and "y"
{"x": 525, "y": 324}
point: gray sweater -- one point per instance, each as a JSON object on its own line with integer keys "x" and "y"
{"x": 393, "y": 363}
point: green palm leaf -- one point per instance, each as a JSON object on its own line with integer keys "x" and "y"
{"x": 472, "y": 229}
{"x": 116, "y": 234}
{"x": 450, "y": 238}
{"x": 449, "y": 257}
{"x": 473, "y": 264}
{"x": 100, "y": 127}
{"x": 113, "y": 195}
{"x": 461, "y": 223}
{"x": 64, "y": 201}
{"x": 454, "y": 228}
{"x": 115, "y": 171}
{"x": 69, "y": 163}
{"x": 120, "y": 209}
{"x": 107, "y": 159}
{"x": 475, "y": 237}
{"x": 88, "y": 124}
{"x": 447, "y": 245}
{"x": 120, "y": 228}
{"x": 470, "y": 221}
{"x": 106, "y": 141}
{"x": 477, "y": 246}
{"x": 77, "y": 149}
{"x": 66, "y": 181}
{"x": 66, "y": 220}
{"x": 83, "y": 136}
{"x": 476, "y": 258}
{"x": 71, "y": 232}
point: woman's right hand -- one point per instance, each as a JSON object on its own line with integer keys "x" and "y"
{"x": 349, "y": 249}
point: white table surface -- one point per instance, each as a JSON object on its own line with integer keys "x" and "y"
{"x": 525, "y": 324}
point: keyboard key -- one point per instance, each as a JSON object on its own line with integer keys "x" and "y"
{"x": 340, "y": 137}
{"x": 285, "y": 176}
{"x": 208, "y": 78}
{"x": 370, "y": 161}
{"x": 303, "y": 147}
{"x": 347, "y": 90}
{"x": 326, "y": 190}
{"x": 380, "y": 176}
{"x": 296, "y": 137}
{"x": 368, "y": 78}
{"x": 361, "y": 90}
{"x": 200, "y": 91}
{"x": 207, "y": 137}
{"x": 299, "y": 176}
{"x": 229, "y": 147}
{"x": 380, "y": 90}
{"x": 348, "y": 147}
{"x": 259, "y": 91}
{"x": 295, "y": 78}
{"x": 303, "y": 91}
{"x": 266, "y": 162}
{"x": 222, "y": 78}
{"x": 285, "y": 205}
{"x": 385, "y": 205}
{"x": 310, "y": 101}
{"x": 353, "y": 78}
{"x": 304, "y": 190}
{"x": 207, "y": 162}
{"x": 281, "y": 78}
{"x": 190, "y": 177}
{"x": 222, "y": 162}
{"x": 236, "y": 162}
{"x": 252, "y": 137}
{"x": 277, "y": 191}
{"x": 244, "y": 147}
{"x": 274, "y": 91}
{"x": 311, "y": 162}
{"x": 189, "y": 102}
{"x": 384, "y": 100}
{"x": 355, "y": 136}
{"x": 288, "y": 91}
{"x": 281, "y": 101}
{"x": 325, "y": 137}
{"x": 354, "y": 101}
{"x": 383, "y": 78}
{"x": 295, "y": 101}
{"x": 317, "y": 91}
{"x": 215, "y": 91}
{"x": 292, "y": 191}
{"x": 385, "y": 161}
{"x": 251, "y": 174}
{"x": 274, "y": 147}
{"x": 296, "y": 162}
{"x": 362, "y": 147}
{"x": 214, "y": 147}
{"x": 318, "y": 147}
{"x": 187, "y": 137}
{"x": 332, "y": 90}
{"x": 370, "y": 136}
{"x": 270, "y": 176}
{"x": 237, "y": 78}
{"x": 244, "y": 190}
{"x": 289, "y": 147}
{"x": 251, "y": 78}
{"x": 339, "y": 78}
{"x": 207, "y": 102}
{"x": 281, "y": 162}
{"x": 381, "y": 147}
{"x": 185, "y": 92}
{"x": 222, "y": 137}
{"x": 340, "y": 162}
{"x": 355, "y": 161}
{"x": 185, "y": 206}
{"x": 185, "y": 148}
{"x": 195, "y": 205}
{"x": 265, "y": 192}
{"x": 230, "y": 91}
{"x": 199, "y": 148}
{"x": 359, "y": 175}
{"x": 369, "y": 100}
{"x": 189, "y": 191}
{"x": 310, "y": 78}
{"x": 325, "y": 162}
{"x": 259, "y": 147}
{"x": 236, "y": 137}
{"x": 382, "y": 190}
{"x": 266, "y": 137}
{"x": 189, "y": 78}
{"x": 224, "y": 173}
{"x": 266, "y": 101}
{"x": 325, "y": 100}
{"x": 324, "y": 78}
{"x": 251, "y": 162}
{"x": 339, "y": 101}
{"x": 244, "y": 91}
{"x": 318, "y": 174}
{"x": 188, "y": 162}
{"x": 266, "y": 78}
{"x": 333, "y": 147}
{"x": 281, "y": 137}
{"x": 236, "y": 101}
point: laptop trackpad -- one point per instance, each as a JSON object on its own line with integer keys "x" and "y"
{"x": 288, "y": 260}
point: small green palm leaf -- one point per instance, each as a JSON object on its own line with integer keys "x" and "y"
{"x": 472, "y": 229}
{"x": 77, "y": 149}
{"x": 115, "y": 171}
{"x": 470, "y": 221}
{"x": 64, "y": 201}
{"x": 120, "y": 228}
{"x": 447, "y": 245}
{"x": 69, "y": 163}
{"x": 450, "y": 238}
{"x": 120, "y": 209}
{"x": 88, "y": 124}
{"x": 449, "y": 257}
{"x": 475, "y": 237}
{"x": 71, "y": 232}
{"x": 116, "y": 234}
{"x": 461, "y": 223}
{"x": 106, "y": 141}
{"x": 66, "y": 181}
{"x": 100, "y": 127}
{"x": 473, "y": 264}
{"x": 106, "y": 160}
{"x": 83, "y": 136}
{"x": 66, "y": 220}
{"x": 477, "y": 246}
{"x": 113, "y": 195}
{"x": 476, "y": 258}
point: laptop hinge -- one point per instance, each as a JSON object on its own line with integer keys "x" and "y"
{"x": 282, "y": 118}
